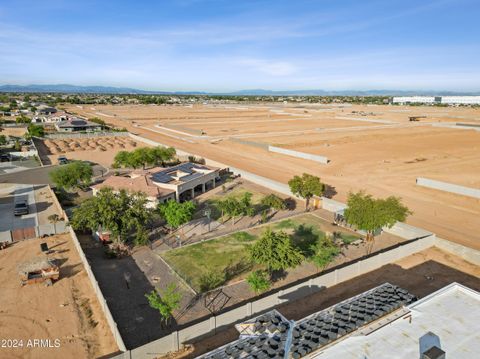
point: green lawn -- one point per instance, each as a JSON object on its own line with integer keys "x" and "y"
{"x": 229, "y": 254}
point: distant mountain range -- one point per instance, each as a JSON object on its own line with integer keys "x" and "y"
{"x": 65, "y": 88}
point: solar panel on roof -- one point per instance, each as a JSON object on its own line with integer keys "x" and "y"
{"x": 318, "y": 330}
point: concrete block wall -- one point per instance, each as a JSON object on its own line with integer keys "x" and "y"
{"x": 262, "y": 181}
{"x": 261, "y": 145}
{"x": 406, "y": 231}
{"x": 469, "y": 254}
{"x": 448, "y": 187}
{"x": 6, "y": 236}
{"x": 174, "y": 341}
{"x": 306, "y": 156}
{"x": 101, "y": 299}
{"x": 331, "y": 205}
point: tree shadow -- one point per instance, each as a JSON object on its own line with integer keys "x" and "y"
{"x": 70, "y": 270}
{"x": 235, "y": 269}
{"x": 278, "y": 275}
{"x": 304, "y": 237}
{"x": 302, "y": 292}
{"x": 290, "y": 204}
{"x": 329, "y": 191}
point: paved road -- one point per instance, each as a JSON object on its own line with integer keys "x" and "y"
{"x": 39, "y": 175}
{"x": 11, "y": 194}
{"x": 15, "y": 166}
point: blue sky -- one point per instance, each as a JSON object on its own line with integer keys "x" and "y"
{"x": 220, "y": 45}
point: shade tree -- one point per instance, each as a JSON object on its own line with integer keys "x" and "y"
{"x": 371, "y": 214}
{"x": 76, "y": 174}
{"x": 177, "y": 214}
{"x": 119, "y": 212}
{"x": 166, "y": 302}
{"x": 306, "y": 186}
{"x": 144, "y": 156}
{"x": 275, "y": 251}
{"x": 272, "y": 201}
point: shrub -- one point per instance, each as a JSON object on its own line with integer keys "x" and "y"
{"x": 211, "y": 280}
{"x": 258, "y": 281}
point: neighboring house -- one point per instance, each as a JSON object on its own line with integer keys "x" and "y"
{"x": 51, "y": 119}
{"x": 182, "y": 182}
{"x": 77, "y": 125}
{"x": 187, "y": 179}
{"x": 137, "y": 181}
{"x": 46, "y": 110}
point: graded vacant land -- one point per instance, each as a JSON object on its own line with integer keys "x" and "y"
{"x": 376, "y": 148}
{"x": 67, "y": 311}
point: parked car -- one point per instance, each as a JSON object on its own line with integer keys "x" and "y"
{"x": 62, "y": 160}
{"x": 5, "y": 157}
{"x": 21, "y": 208}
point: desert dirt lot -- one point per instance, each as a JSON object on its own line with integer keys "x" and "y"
{"x": 421, "y": 274}
{"x": 375, "y": 148}
{"x": 68, "y": 310}
{"x": 101, "y": 150}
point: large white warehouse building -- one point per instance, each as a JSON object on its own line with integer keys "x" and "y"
{"x": 449, "y": 100}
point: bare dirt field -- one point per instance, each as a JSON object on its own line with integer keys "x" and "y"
{"x": 14, "y": 131}
{"x": 68, "y": 310}
{"x": 421, "y": 274}
{"x": 375, "y": 148}
{"x": 101, "y": 150}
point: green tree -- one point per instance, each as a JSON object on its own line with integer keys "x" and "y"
{"x": 119, "y": 212}
{"x": 258, "y": 281}
{"x": 177, "y": 214}
{"x": 371, "y": 214}
{"x": 76, "y": 174}
{"x": 165, "y": 302}
{"x": 306, "y": 187}
{"x": 272, "y": 201}
{"x": 161, "y": 155}
{"x": 234, "y": 207}
{"x": 23, "y": 119}
{"x": 121, "y": 159}
{"x": 3, "y": 140}
{"x": 275, "y": 251}
{"x": 35, "y": 130}
{"x": 323, "y": 252}
{"x": 141, "y": 157}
